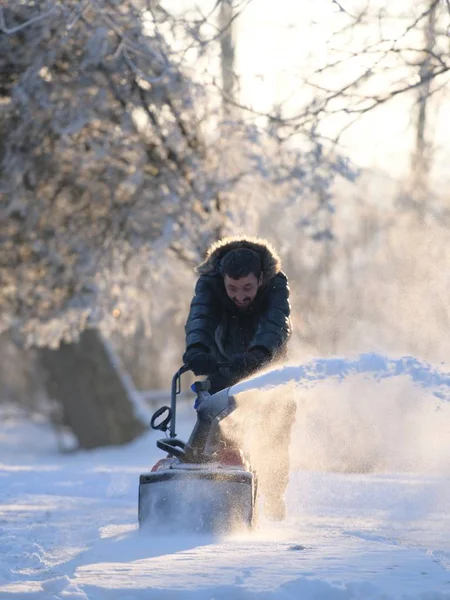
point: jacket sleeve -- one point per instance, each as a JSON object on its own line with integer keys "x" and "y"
{"x": 274, "y": 328}
{"x": 203, "y": 317}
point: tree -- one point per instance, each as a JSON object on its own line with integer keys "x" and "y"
{"x": 112, "y": 167}
{"x": 101, "y": 162}
{"x": 371, "y": 54}
{"x": 102, "y": 170}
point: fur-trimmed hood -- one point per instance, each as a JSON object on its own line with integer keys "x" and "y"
{"x": 271, "y": 263}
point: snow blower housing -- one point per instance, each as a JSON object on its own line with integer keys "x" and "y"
{"x": 203, "y": 484}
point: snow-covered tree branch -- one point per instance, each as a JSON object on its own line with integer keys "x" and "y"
{"x": 101, "y": 156}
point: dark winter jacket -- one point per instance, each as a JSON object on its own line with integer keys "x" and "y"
{"x": 217, "y": 326}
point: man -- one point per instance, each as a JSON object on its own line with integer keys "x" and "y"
{"x": 239, "y": 322}
{"x": 240, "y": 313}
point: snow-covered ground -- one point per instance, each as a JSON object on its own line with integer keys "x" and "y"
{"x": 368, "y": 504}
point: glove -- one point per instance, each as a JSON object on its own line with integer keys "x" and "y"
{"x": 244, "y": 364}
{"x": 203, "y": 363}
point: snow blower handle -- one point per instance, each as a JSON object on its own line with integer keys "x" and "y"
{"x": 176, "y": 389}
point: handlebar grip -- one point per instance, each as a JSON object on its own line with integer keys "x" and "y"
{"x": 164, "y": 425}
{"x": 173, "y": 446}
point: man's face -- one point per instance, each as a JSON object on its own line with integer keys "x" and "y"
{"x": 242, "y": 291}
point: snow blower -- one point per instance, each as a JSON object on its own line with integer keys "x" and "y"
{"x": 204, "y": 485}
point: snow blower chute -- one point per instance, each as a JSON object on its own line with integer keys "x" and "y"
{"x": 204, "y": 484}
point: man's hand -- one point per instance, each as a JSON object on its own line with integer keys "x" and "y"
{"x": 203, "y": 363}
{"x": 244, "y": 364}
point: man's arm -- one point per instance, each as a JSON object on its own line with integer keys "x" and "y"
{"x": 201, "y": 325}
{"x": 274, "y": 328}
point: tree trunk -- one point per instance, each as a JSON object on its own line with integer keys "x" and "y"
{"x": 227, "y": 57}
{"x": 96, "y": 404}
{"x": 421, "y": 157}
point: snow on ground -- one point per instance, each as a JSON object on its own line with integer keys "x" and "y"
{"x": 368, "y": 504}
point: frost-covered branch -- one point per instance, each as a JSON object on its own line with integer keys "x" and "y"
{"x": 375, "y": 57}
{"x": 12, "y": 30}
{"x": 89, "y": 184}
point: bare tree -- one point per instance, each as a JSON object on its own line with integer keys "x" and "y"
{"x": 373, "y": 56}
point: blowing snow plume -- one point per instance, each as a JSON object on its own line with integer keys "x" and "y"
{"x": 369, "y": 414}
